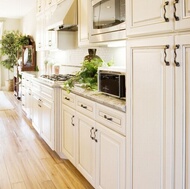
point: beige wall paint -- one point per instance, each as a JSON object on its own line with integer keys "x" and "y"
{"x": 8, "y": 24}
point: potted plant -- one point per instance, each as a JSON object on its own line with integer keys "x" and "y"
{"x": 11, "y": 42}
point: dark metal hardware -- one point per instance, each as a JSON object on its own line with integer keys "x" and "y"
{"x": 72, "y": 120}
{"x": 165, "y": 18}
{"x": 165, "y": 55}
{"x": 175, "y": 16}
{"x": 66, "y": 98}
{"x": 39, "y": 105}
{"x": 85, "y": 107}
{"x": 175, "y": 55}
{"x": 95, "y": 135}
{"x": 91, "y": 133}
{"x": 108, "y": 118}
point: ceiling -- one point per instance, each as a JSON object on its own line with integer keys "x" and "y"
{"x": 16, "y": 8}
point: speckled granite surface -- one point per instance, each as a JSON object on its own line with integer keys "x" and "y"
{"x": 96, "y": 96}
{"x": 118, "y": 104}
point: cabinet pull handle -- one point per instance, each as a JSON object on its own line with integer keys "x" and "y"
{"x": 91, "y": 133}
{"x": 108, "y": 118}
{"x": 95, "y": 135}
{"x": 165, "y": 18}
{"x": 39, "y": 105}
{"x": 72, "y": 121}
{"x": 175, "y": 16}
{"x": 175, "y": 55}
{"x": 165, "y": 55}
{"x": 66, "y": 98}
{"x": 85, "y": 107}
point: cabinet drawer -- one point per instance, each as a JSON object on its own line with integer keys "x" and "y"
{"x": 68, "y": 99}
{"x": 36, "y": 87}
{"x": 111, "y": 118}
{"x": 85, "y": 106}
{"x": 47, "y": 92}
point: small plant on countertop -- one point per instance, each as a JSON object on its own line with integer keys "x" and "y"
{"x": 87, "y": 76}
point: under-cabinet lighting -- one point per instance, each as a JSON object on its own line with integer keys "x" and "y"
{"x": 117, "y": 44}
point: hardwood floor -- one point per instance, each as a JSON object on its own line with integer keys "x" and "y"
{"x": 26, "y": 162}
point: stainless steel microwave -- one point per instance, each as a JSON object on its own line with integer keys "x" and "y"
{"x": 107, "y": 20}
{"x": 112, "y": 82}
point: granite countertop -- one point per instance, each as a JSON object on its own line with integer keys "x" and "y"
{"x": 112, "y": 102}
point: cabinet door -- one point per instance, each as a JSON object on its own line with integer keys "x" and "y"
{"x": 150, "y": 114}
{"x": 110, "y": 159}
{"x": 68, "y": 136}
{"x": 183, "y": 14}
{"x": 86, "y": 147}
{"x": 47, "y": 126}
{"x": 83, "y": 34}
{"x": 148, "y": 16}
{"x": 40, "y": 33}
{"x": 36, "y": 116}
{"x": 182, "y": 113}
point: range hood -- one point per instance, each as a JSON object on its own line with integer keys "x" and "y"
{"x": 64, "y": 18}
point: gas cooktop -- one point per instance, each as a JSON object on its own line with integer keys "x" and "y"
{"x": 54, "y": 79}
{"x": 59, "y": 77}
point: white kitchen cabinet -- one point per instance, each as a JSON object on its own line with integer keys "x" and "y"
{"x": 40, "y": 33}
{"x": 157, "y": 16}
{"x": 97, "y": 152}
{"x": 27, "y": 95}
{"x": 43, "y": 117}
{"x": 36, "y": 116}
{"x": 40, "y": 6}
{"x": 110, "y": 158}
{"x": 50, "y": 3}
{"x": 158, "y": 112}
{"x": 182, "y": 113}
{"x": 86, "y": 147}
{"x": 68, "y": 133}
{"x": 83, "y": 19}
{"x": 47, "y": 122}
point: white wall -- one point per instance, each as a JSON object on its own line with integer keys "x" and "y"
{"x": 8, "y": 24}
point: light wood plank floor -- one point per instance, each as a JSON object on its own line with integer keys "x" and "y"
{"x": 26, "y": 162}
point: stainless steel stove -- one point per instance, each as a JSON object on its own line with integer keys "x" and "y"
{"x": 54, "y": 79}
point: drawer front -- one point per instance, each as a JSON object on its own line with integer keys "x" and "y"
{"x": 85, "y": 106}
{"x": 47, "y": 92}
{"x": 68, "y": 99}
{"x": 36, "y": 87}
{"x": 111, "y": 118}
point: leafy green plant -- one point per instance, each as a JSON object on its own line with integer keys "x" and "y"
{"x": 11, "y": 42}
{"x": 87, "y": 76}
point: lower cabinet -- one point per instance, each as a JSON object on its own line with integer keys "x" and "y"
{"x": 97, "y": 151}
{"x": 47, "y": 122}
{"x": 86, "y": 147}
{"x": 36, "y": 116}
{"x": 43, "y": 113}
{"x": 68, "y": 133}
{"x": 110, "y": 158}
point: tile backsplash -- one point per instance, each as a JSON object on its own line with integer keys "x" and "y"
{"x": 70, "y": 60}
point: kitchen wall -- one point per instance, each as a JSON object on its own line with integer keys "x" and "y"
{"x": 8, "y": 24}
{"x": 70, "y": 60}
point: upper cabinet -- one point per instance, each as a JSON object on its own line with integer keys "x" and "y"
{"x": 40, "y": 6}
{"x": 157, "y": 16}
{"x": 83, "y": 22}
